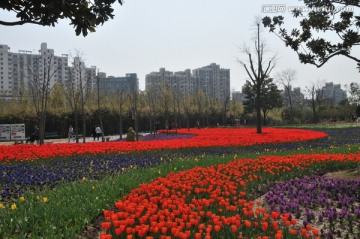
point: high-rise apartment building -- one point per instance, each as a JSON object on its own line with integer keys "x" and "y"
{"x": 178, "y": 82}
{"x": 17, "y": 70}
{"x": 212, "y": 80}
{"x": 294, "y": 94}
{"x": 238, "y": 96}
{"x": 333, "y": 94}
{"x": 125, "y": 85}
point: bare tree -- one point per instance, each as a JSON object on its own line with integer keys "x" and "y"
{"x": 176, "y": 105}
{"x": 77, "y": 89}
{"x": 186, "y": 105}
{"x": 226, "y": 113}
{"x": 134, "y": 100}
{"x": 286, "y": 78}
{"x": 206, "y": 111}
{"x": 73, "y": 97}
{"x": 117, "y": 101}
{"x": 315, "y": 94}
{"x": 99, "y": 107}
{"x": 85, "y": 82}
{"x": 354, "y": 90}
{"x": 258, "y": 69}
{"x": 151, "y": 99}
{"x": 165, "y": 97}
{"x": 40, "y": 82}
{"x": 236, "y": 107}
{"x": 200, "y": 104}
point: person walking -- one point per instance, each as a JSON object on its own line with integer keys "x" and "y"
{"x": 70, "y": 133}
{"x": 93, "y": 132}
{"x": 98, "y": 132}
{"x": 34, "y": 136}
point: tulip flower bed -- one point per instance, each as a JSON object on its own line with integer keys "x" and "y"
{"x": 213, "y": 202}
{"x": 203, "y": 138}
{"x": 58, "y": 196}
{"x": 320, "y": 201}
{"x": 32, "y": 175}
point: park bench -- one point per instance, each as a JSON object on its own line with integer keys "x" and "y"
{"x": 51, "y": 135}
{"x": 19, "y": 141}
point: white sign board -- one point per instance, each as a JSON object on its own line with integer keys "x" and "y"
{"x": 17, "y": 131}
{"x": 4, "y": 132}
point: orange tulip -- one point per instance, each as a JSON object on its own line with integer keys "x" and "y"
{"x": 106, "y": 225}
{"x": 315, "y": 232}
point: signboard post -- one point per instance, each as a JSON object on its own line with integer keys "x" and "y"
{"x": 17, "y": 132}
{"x": 4, "y": 132}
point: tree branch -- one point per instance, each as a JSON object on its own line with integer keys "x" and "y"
{"x": 252, "y": 66}
{"x": 20, "y": 23}
{"x": 247, "y": 71}
{"x": 331, "y": 56}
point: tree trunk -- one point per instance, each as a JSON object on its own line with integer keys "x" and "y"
{"x": 102, "y": 127}
{"x": 264, "y": 117}
{"x": 42, "y": 120}
{"x": 120, "y": 124}
{"x": 136, "y": 125}
{"x": 76, "y": 126}
{"x": 258, "y": 111}
{"x": 314, "y": 112}
{"x": 84, "y": 126}
{"x": 187, "y": 121}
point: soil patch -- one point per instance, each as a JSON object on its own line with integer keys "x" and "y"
{"x": 346, "y": 174}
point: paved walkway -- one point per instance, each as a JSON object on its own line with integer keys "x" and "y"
{"x": 88, "y": 139}
{"x": 65, "y": 140}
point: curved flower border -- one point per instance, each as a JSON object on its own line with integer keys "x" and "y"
{"x": 204, "y": 138}
{"x": 206, "y": 202}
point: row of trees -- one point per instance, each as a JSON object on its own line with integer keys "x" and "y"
{"x": 85, "y": 107}
{"x": 145, "y": 111}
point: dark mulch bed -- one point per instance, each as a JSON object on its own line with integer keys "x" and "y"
{"x": 159, "y": 136}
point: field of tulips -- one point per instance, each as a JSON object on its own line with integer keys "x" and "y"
{"x": 219, "y": 183}
{"x": 202, "y": 138}
{"x": 213, "y": 202}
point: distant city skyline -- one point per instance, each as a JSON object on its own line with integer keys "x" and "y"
{"x": 105, "y": 75}
{"x": 212, "y": 80}
{"x": 148, "y": 35}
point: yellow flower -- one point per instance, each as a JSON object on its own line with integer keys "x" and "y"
{"x": 93, "y": 187}
{"x": 1, "y": 205}
{"x": 45, "y": 199}
{"x": 13, "y": 206}
{"x": 22, "y": 199}
{"x": 84, "y": 179}
{"x": 37, "y": 198}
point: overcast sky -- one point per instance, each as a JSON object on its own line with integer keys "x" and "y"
{"x": 146, "y": 35}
